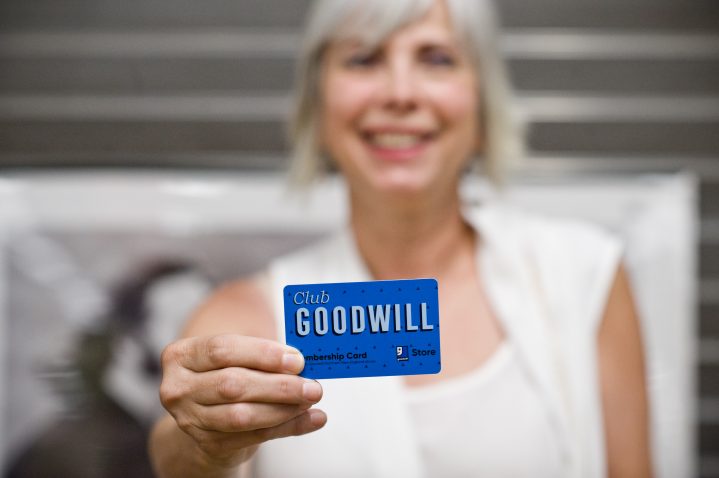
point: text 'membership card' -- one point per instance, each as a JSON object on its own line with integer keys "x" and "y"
{"x": 364, "y": 329}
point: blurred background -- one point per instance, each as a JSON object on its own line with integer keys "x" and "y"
{"x": 163, "y": 89}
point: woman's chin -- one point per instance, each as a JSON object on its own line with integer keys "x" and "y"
{"x": 402, "y": 185}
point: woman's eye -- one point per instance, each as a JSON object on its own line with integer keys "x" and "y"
{"x": 438, "y": 58}
{"x": 362, "y": 59}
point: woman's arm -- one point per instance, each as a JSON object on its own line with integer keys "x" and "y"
{"x": 623, "y": 385}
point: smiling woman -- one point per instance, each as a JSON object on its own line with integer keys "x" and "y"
{"x": 401, "y": 116}
{"x": 463, "y": 37}
{"x": 399, "y": 96}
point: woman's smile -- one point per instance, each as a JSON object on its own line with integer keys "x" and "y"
{"x": 397, "y": 144}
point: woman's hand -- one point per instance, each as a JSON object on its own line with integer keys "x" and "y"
{"x": 230, "y": 393}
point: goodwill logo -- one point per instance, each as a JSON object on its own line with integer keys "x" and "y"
{"x": 363, "y": 329}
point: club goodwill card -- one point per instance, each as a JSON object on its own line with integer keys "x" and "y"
{"x": 364, "y": 329}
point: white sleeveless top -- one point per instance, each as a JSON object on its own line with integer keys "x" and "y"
{"x": 465, "y": 428}
{"x": 547, "y": 281}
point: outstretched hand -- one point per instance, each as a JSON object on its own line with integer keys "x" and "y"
{"x": 230, "y": 393}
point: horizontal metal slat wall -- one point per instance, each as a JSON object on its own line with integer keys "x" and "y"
{"x": 608, "y": 86}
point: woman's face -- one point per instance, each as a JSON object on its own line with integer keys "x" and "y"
{"x": 403, "y": 117}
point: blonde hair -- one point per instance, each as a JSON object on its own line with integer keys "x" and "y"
{"x": 372, "y": 21}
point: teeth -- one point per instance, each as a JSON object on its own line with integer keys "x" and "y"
{"x": 395, "y": 141}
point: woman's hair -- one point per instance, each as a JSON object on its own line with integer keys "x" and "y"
{"x": 372, "y": 21}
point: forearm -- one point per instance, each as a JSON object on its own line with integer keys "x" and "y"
{"x": 175, "y": 454}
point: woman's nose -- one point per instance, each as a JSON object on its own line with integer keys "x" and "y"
{"x": 400, "y": 87}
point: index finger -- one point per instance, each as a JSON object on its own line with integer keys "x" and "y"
{"x": 202, "y": 354}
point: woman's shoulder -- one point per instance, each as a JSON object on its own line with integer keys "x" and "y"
{"x": 575, "y": 260}
{"x": 583, "y": 253}
{"x": 247, "y": 306}
{"x": 570, "y": 234}
{"x": 240, "y": 306}
{"x": 547, "y": 233}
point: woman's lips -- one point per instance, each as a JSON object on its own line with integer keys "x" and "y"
{"x": 397, "y": 146}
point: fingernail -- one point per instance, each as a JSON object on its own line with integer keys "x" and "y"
{"x": 311, "y": 390}
{"x": 317, "y": 417}
{"x": 293, "y": 362}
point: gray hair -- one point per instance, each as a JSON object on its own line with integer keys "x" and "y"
{"x": 372, "y": 21}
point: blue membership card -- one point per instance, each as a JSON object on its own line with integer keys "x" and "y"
{"x": 364, "y": 329}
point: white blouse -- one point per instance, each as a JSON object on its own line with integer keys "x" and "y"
{"x": 548, "y": 281}
{"x": 489, "y": 422}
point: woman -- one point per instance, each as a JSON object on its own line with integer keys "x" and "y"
{"x": 542, "y": 369}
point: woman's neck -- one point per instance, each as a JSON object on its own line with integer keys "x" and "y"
{"x": 414, "y": 239}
